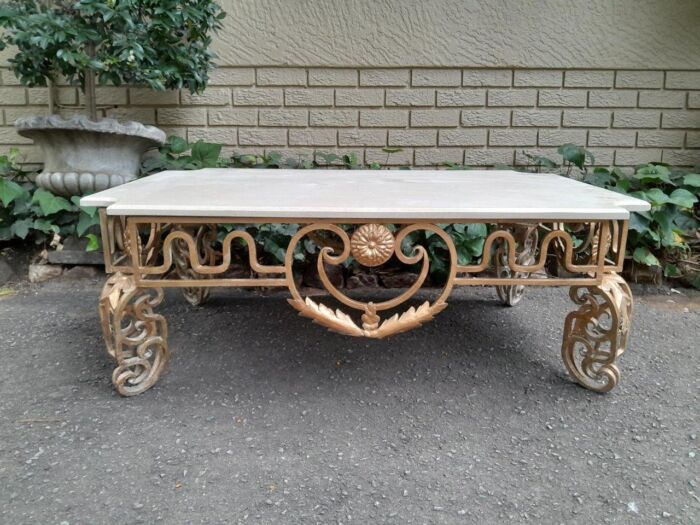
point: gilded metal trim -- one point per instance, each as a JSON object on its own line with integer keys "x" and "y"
{"x": 152, "y": 253}
{"x": 204, "y": 245}
{"x": 372, "y": 325}
{"x": 136, "y": 337}
{"x": 596, "y": 334}
{"x": 372, "y": 244}
{"x": 526, "y": 236}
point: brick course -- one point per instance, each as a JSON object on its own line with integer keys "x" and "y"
{"x": 436, "y": 77}
{"x": 589, "y": 79}
{"x": 435, "y": 115}
{"x": 562, "y": 98}
{"x": 538, "y": 78}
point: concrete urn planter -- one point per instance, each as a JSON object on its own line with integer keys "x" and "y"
{"x": 82, "y": 156}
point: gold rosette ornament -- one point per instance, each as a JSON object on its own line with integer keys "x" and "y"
{"x": 372, "y": 244}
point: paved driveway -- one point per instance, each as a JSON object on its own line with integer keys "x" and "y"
{"x": 266, "y": 418}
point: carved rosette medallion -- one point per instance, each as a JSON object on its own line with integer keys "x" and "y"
{"x": 372, "y": 244}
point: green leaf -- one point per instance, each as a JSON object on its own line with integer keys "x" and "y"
{"x": 50, "y": 203}
{"x": 642, "y": 255}
{"x": 654, "y": 236}
{"x": 664, "y": 225}
{"x": 85, "y": 222}
{"x": 206, "y": 154}
{"x": 178, "y": 145}
{"x": 248, "y": 160}
{"x": 671, "y": 270}
{"x": 540, "y": 161}
{"x": 45, "y": 226}
{"x": 477, "y": 231}
{"x": 9, "y": 191}
{"x": 692, "y": 179}
{"x": 93, "y": 243}
{"x": 683, "y": 198}
{"x": 475, "y": 246}
{"x": 623, "y": 185}
{"x": 600, "y": 177}
{"x": 574, "y": 154}
{"x": 5, "y": 233}
{"x": 75, "y": 199}
{"x": 328, "y": 158}
{"x": 654, "y": 173}
{"x": 285, "y": 229}
{"x": 21, "y": 228}
{"x": 656, "y": 197}
{"x": 275, "y": 249}
{"x": 686, "y": 222}
{"x": 638, "y": 223}
{"x": 464, "y": 255}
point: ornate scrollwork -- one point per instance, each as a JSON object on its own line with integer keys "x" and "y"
{"x": 526, "y": 237}
{"x": 135, "y": 336}
{"x": 372, "y": 325}
{"x": 596, "y": 334}
{"x": 557, "y": 241}
{"x": 203, "y": 239}
{"x": 196, "y": 248}
{"x": 145, "y": 252}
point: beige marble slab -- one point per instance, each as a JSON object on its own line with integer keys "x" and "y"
{"x": 363, "y": 194}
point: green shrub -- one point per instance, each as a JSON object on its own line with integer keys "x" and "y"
{"x": 661, "y": 236}
{"x": 666, "y": 236}
{"x": 178, "y": 154}
{"x": 162, "y": 44}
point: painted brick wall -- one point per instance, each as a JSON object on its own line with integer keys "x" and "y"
{"x": 479, "y": 117}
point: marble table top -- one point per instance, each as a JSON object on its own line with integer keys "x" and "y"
{"x": 438, "y": 195}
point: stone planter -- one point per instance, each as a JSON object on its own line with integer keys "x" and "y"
{"x": 82, "y": 156}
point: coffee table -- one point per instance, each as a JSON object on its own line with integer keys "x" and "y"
{"x": 161, "y": 231}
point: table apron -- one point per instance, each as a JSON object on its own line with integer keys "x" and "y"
{"x": 148, "y": 248}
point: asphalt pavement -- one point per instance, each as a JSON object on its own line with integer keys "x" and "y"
{"x": 264, "y": 417}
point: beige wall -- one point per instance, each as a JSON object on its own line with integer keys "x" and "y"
{"x": 446, "y": 80}
{"x": 611, "y": 34}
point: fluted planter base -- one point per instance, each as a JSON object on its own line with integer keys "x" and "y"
{"x": 82, "y": 156}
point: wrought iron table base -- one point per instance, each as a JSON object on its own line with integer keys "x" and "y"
{"x": 147, "y": 254}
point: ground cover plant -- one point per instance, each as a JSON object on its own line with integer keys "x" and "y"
{"x": 666, "y": 237}
{"x": 32, "y": 214}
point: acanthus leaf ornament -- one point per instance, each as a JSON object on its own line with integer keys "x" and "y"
{"x": 339, "y": 322}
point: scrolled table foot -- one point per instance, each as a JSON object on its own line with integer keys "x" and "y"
{"x": 526, "y": 238}
{"x": 596, "y": 334}
{"x": 510, "y": 295}
{"x": 135, "y": 336}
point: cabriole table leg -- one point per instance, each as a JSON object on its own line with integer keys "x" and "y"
{"x": 596, "y": 334}
{"x": 135, "y": 336}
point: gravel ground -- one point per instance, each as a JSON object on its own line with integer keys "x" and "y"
{"x": 266, "y": 418}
